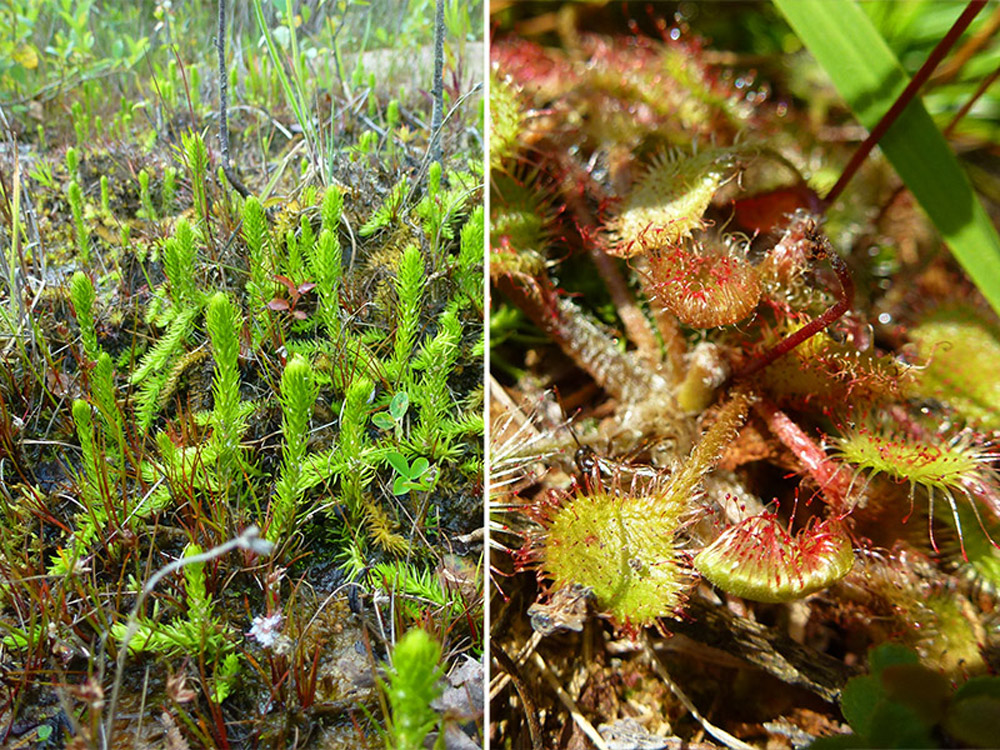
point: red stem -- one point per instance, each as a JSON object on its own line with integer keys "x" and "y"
{"x": 987, "y": 82}
{"x": 812, "y": 327}
{"x": 890, "y": 117}
{"x": 833, "y": 483}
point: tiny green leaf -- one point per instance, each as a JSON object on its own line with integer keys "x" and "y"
{"x": 858, "y": 700}
{"x": 418, "y": 467}
{"x": 383, "y": 420}
{"x": 399, "y": 463}
{"x": 399, "y": 404}
{"x": 889, "y": 654}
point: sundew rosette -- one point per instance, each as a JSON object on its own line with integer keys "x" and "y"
{"x": 622, "y": 547}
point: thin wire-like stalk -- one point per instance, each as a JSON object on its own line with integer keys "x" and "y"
{"x": 220, "y": 43}
{"x": 890, "y": 117}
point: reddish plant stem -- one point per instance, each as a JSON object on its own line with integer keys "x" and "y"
{"x": 987, "y": 82}
{"x": 814, "y": 326}
{"x": 833, "y": 483}
{"x": 890, "y": 117}
{"x": 947, "y": 72}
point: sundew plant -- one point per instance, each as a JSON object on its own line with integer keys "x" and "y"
{"x": 241, "y": 400}
{"x": 745, "y": 424}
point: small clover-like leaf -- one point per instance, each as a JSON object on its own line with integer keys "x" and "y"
{"x": 858, "y": 700}
{"x": 383, "y": 421}
{"x": 418, "y": 467}
{"x": 399, "y": 404}
{"x": 399, "y": 463}
{"x": 890, "y": 654}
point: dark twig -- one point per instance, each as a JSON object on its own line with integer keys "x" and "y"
{"x": 437, "y": 90}
{"x": 220, "y": 43}
{"x": 904, "y": 99}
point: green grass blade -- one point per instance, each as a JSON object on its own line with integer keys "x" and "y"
{"x": 291, "y": 94}
{"x": 866, "y": 73}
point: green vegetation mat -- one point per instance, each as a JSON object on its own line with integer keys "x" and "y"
{"x": 240, "y": 427}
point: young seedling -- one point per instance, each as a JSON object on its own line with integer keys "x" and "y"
{"x": 415, "y": 477}
{"x": 393, "y": 418}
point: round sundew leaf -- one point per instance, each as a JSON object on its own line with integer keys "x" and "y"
{"x": 668, "y": 201}
{"x": 704, "y": 290}
{"x": 758, "y": 560}
{"x": 622, "y": 548}
{"x": 901, "y": 456}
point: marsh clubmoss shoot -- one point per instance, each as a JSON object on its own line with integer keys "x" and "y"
{"x": 75, "y": 195}
{"x": 224, "y": 325}
{"x": 82, "y": 295}
{"x": 298, "y": 396}
{"x": 759, "y": 560}
{"x": 180, "y": 255}
{"x": 412, "y": 686}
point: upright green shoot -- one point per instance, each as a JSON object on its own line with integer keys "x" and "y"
{"x": 196, "y": 156}
{"x": 75, "y": 195}
{"x": 179, "y": 256}
{"x": 412, "y": 686}
{"x": 298, "y": 396}
{"x": 326, "y": 260}
{"x": 102, "y": 389}
{"x": 82, "y": 295}
{"x": 409, "y": 289}
{"x": 354, "y": 439}
{"x": 224, "y": 325}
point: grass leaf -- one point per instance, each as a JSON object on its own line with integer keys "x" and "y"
{"x": 869, "y": 77}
